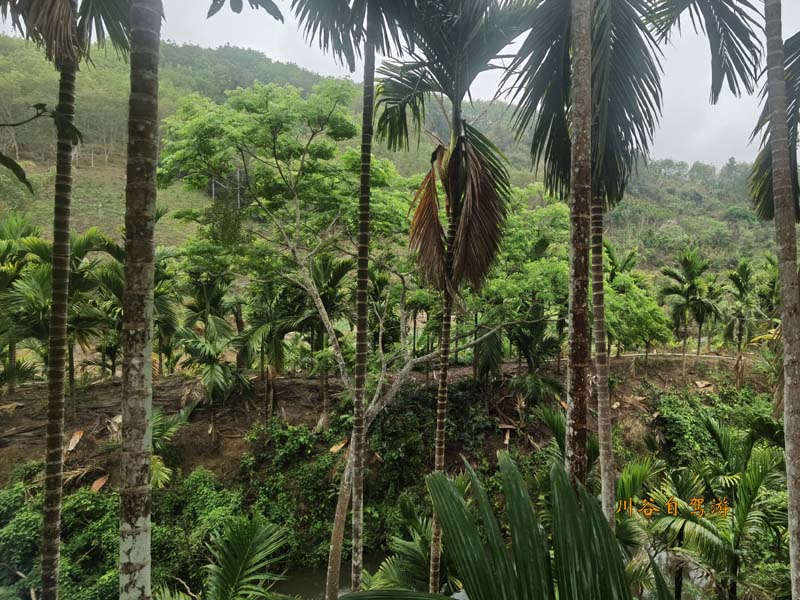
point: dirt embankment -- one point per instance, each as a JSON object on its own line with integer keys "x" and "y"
{"x": 214, "y": 438}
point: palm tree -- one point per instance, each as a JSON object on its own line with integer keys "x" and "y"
{"x": 626, "y": 90}
{"x": 745, "y": 467}
{"x": 65, "y": 31}
{"x": 13, "y": 261}
{"x": 137, "y": 305}
{"x": 705, "y": 307}
{"x": 329, "y": 275}
{"x": 746, "y": 312}
{"x": 342, "y": 27}
{"x": 775, "y": 189}
{"x": 243, "y": 552}
{"x": 453, "y": 42}
{"x": 684, "y": 289}
{"x": 206, "y": 354}
{"x": 774, "y": 186}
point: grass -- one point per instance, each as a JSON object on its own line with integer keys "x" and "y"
{"x": 98, "y": 201}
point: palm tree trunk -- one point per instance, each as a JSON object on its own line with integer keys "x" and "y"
{"x": 57, "y": 342}
{"x": 441, "y": 418}
{"x": 414, "y": 336}
{"x": 262, "y": 373}
{"x": 785, "y": 238}
{"x": 685, "y": 343}
{"x": 444, "y": 360}
{"x": 475, "y": 349}
{"x": 699, "y": 338}
{"x": 580, "y": 208}
{"x": 679, "y": 573}
{"x": 137, "y": 338}
{"x": 362, "y": 284}
{"x": 71, "y": 366}
{"x": 12, "y": 368}
{"x": 604, "y": 426}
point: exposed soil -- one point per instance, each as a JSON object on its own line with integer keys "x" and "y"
{"x": 215, "y": 440}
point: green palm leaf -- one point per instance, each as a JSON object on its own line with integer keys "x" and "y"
{"x": 243, "y": 551}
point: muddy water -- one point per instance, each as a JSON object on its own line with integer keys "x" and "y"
{"x": 309, "y": 584}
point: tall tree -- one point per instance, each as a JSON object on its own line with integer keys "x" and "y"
{"x": 627, "y": 102}
{"x": 13, "y": 260}
{"x": 343, "y": 27}
{"x": 453, "y": 43}
{"x": 137, "y": 302}
{"x": 65, "y": 31}
{"x": 786, "y": 240}
{"x": 66, "y": 62}
{"x": 686, "y": 289}
{"x": 745, "y": 313}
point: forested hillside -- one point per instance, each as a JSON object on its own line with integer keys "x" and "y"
{"x": 670, "y": 204}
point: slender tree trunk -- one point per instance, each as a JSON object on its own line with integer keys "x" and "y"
{"x": 444, "y": 360}
{"x": 362, "y": 284}
{"x": 475, "y": 349}
{"x": 580, "y": 205}
{"x": 137, "y": 328}
{"x": 241, "y": 354}
{"x": 263, "y": 374}
{"x": 57, "y": 342}
{"x": 604, "y": 425}
{"x": 699, "y": 338}
{"x": 685, "y": 343}
{"x": 12, "y": 368}
{"x": 646, "y": 354}
{"x": 679, "y": 573}
{"x": 785, "y": 237}
{"x": 337, "y": 531}
{"x": 71, "y": 366}
{"x": 414, "y": 336}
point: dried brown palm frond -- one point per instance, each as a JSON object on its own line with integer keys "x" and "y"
{"x": 53, "y": 25}
{"x": 427, "y": 234}
{"x": 482, "y": 212}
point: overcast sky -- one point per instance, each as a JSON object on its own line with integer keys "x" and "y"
{"x": 691, "y": 129}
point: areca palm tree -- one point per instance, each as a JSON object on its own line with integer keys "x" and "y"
{"x": 453, "y": 43}
{"x": 745, "y": 467}
{"x": 626, "y": 91}
{"x": 775, "y": 189}
{"x": 137, "y": 304}
{"x": 13, "y": 261}
{"x": 684, "y": 289}
{"x": 705, "y": 309}
{"x": 349, "y": 28}
{"x": 746, "y": 312}
{"x": 273, "y": 314}
{"x": 65, "y": 30}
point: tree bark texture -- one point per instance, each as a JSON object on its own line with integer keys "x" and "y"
{"x": 580, "y": 207}
{"x": 137, "y": 328}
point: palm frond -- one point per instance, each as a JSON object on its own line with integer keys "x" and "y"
{"x": 243, "y": 552}
{"x": 760, "y": 181}
{"x": 540, "y": 77}
{"x": 102, "y": 21}
{"x": 426, "y": 236}
{"x": 483, "y": 211}
{"x": 732, "y": 28}
{"x": 402, "y": 92}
